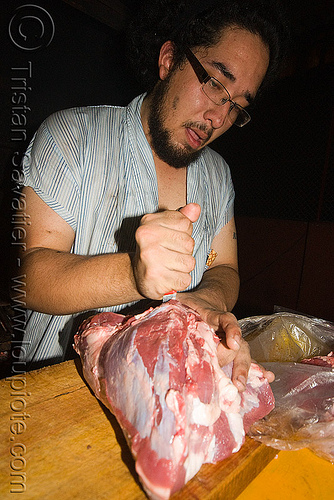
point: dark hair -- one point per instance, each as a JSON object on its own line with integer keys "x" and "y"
{"x": 193, "y": 23}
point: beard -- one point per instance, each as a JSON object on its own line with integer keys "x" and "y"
{"x": 160, "y": 137}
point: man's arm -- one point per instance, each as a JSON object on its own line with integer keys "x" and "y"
{"x": 60, "y": 282}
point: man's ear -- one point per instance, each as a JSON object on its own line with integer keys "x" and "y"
{"x": 166, "y": 58}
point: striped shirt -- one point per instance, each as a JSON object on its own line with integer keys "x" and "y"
{"x": 94, "y": 167}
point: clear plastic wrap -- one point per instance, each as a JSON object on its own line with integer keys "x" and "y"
{"x": 304, "y": 413}
{"x": 286, "y": 336}
{"x": 304, "y": 393}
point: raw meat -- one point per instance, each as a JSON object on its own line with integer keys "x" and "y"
{"x": 158, "y": 373}
{"x": 320, "y": 360}
{"x": 304, "y": 408}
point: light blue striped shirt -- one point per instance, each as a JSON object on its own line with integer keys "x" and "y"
{"x": 95, "y": 168}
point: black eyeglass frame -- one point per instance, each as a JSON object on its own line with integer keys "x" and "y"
{"x": 204, "y": 77}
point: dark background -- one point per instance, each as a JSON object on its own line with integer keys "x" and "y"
{"x": 281, "y": 163}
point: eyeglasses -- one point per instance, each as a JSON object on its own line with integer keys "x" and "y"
{"x": 217, "y": 93}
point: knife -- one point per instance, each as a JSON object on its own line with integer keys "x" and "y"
{"x": 168, "y": 296}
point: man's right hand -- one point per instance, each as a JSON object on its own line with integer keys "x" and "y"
{"x": 163, "y": 260}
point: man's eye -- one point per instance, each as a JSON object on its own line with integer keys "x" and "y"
{"x": 214, "y": 85}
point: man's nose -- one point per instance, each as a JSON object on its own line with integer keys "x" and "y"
{"x": 217, "y": 114}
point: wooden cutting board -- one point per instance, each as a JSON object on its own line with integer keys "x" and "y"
{"x": 69, "y": 446}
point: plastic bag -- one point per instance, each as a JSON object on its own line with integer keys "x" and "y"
{"x": 287, "y": 337}
{"x": 304, "y": 393}
{"x": 304, "y": 413}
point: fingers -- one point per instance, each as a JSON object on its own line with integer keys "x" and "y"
{"x": 241, "y": 365}
{"x": 230, "y": 326}
{"x": 239, "y": 349}
{"x": 171, "y": 231}
{"x": 191, "y": 211}
{"x": 270, "y": 376}
{"x": 232, "y": 346}
{"x": 164, "y": 259}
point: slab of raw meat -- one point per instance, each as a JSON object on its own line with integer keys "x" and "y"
{"x": 320, "y": 360}
{"x": 158, "y": 373}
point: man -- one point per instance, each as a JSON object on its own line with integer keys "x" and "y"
{"x": 92, "y": 175}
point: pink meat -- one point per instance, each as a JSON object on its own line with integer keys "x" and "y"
{"x": 158, "y": 372}
{"x": 320, "y": 360}
{"x": 304, "y": 412}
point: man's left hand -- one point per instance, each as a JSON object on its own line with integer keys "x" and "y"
{"x": 232, "y": 346}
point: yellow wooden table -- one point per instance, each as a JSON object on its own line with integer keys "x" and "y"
{"x": 59, "y": 442}
{"x": 293, "y": 475}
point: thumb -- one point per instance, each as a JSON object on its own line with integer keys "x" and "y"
{"x": 192, "y": 211}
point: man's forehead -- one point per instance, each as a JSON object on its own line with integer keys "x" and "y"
{"x": 216, "y": 52}
{"x": 235, "y": 46}
{"x": 227, "y": 33}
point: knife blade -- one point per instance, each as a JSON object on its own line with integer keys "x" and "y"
{"x": 168, "y": 296}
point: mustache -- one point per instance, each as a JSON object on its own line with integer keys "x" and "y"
{"x": 200, "y": 126}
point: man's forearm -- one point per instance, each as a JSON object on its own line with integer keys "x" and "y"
{"x": 63, "y": 283}
{"x": 219, "y": 287}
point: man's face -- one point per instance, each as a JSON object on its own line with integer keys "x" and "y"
{"x": 181, "y": 119}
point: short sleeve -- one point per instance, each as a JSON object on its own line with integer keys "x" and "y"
{"x": 51, "y": 165}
